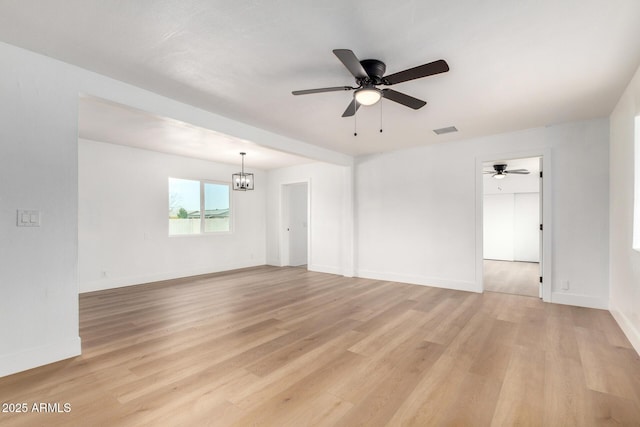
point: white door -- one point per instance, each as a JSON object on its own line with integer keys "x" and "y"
{"x": 526, "y": 227}
{"x": 296, "y": 222}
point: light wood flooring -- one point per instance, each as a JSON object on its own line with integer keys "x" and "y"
{"x": 274, "y": 346}
{"x": 512, "y": 277}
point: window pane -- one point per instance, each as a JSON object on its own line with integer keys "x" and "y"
{"x": 184, "y": 206}
{"x": 216, "y": 207}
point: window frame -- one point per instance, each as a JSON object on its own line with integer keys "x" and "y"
{"x": 202, "y": 231}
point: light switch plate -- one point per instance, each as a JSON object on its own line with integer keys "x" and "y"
{"x": 28, "y": 218}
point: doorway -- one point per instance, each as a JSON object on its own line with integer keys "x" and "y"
{"x": 295, "y": 222}
{"x": 512, "y": 232}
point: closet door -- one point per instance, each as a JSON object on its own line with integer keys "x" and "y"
{"x": 526, "y": 227}
{"x": 498, "y": 227}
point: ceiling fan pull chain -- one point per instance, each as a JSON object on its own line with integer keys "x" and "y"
{"x": 381, "y": 116}
{"x": 355, "y": 119}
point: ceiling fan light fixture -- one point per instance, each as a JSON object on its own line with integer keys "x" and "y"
{"x": 367, "y": 96}
{"x": 499, "y": 176}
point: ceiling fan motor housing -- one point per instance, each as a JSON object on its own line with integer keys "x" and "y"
{"x": 375, "y": 69}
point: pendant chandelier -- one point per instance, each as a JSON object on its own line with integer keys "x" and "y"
{"x": 242, "y": 181}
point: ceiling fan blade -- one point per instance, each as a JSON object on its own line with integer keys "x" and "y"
{"x": 403, "y": 99}
{"x": 436, "y": 67}
{"x": 349, "y": 59}
{"x": 518, "y": 171}
{"x": 320, "y": 90}
{"x": 351, "y": 109}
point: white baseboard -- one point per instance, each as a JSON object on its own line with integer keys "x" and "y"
{"x": 456, "y": 285}
{"x": 627, "y": 326}
{"x": 119, "y": 282}
{"x": 39, "y": 356}
{"x": 325, "y": 269}
{"x": 579, "y": 300}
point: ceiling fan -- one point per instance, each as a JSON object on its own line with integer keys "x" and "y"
{"x": 500, "y": 171}
{"x": 369, "y": 74}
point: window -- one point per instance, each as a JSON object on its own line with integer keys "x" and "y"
{"x": 216, "y": 207}
{"x": 636, "y": 180}
{"x": 197, "y": 207}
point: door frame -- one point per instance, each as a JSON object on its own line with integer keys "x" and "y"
{"x": 283, "y": 235}
{"x": 547, "y": 209}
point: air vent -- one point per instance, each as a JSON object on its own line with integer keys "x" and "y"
{"x": 445, "y": 130}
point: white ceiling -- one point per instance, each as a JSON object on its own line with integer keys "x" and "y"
{"x": 105, "y": 121}
{"x": 514, "y": 64}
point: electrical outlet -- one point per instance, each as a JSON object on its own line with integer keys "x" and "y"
{"x": 564, "y": 285}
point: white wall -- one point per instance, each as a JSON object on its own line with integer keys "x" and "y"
{"x": 38, "y": 170}
{"x": 123, "y": 223}
{"x": 625, "y": 262}
{"x": 331, "y": 233}
{"x": 416, "y": 210}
